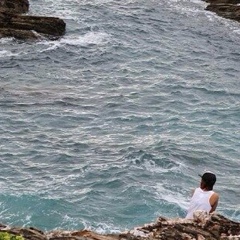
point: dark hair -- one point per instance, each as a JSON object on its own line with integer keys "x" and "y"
{"x": 209, "y": 180}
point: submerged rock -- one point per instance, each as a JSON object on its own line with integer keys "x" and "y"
{"x": 25, "y": 27}
{"x": 225, "y": 8}
{"x": 203, "y": 227}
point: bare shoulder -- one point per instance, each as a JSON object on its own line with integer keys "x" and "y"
{"x": 214, "y": 198}
{"x": 214, "y": 201}
{"x": 215, "y": 195}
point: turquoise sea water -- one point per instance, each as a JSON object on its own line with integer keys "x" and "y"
{"x": 108, "y": 127}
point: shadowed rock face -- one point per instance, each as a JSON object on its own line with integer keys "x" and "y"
{"x": 203, "y": 227}
{"x": 30, "y": 27}
{"x": 225, "y": 8}
{"x": 17, "y": 6}
{"x": 25, "y": 27}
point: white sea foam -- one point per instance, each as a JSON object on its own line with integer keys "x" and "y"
{"x": 101, "y": 228}
{"x": 170, "y": 196}
{"x": 89, "y": 161}
{"x": 237, "y": 31}
{"x": 96, "y": 38}
{"x": 6, "y": 53}
{"x": 91, "y": 38}
{"x": 5, "y": 40}
{"x": 187, "y": 7}
{"x": 51, "y": 45}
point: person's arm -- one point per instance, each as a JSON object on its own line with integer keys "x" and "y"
{"x": 214, "y": 202}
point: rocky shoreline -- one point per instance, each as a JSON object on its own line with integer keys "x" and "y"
{"x": 229, "y": 9}
{"x": 13, "y": 22}
{"x": 203, "y": 227}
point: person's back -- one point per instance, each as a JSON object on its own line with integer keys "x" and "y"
{"x": 204, "y": 198}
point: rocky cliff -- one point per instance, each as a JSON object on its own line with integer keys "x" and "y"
{"x": 203, "y": 227}
{"x": 13, "y": 22}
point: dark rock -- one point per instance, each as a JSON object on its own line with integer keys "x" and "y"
{"x": 225, "y": 8}
{"x": 15, "y": 6}
{"x": 20, "y": 25}
{"x": 18, "y": 34}
{"x": 229, "y": 11}
{"x": 223, "y": 1}
{"x": 25, "y": 27}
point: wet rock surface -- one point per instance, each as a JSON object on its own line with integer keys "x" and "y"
{"x": 14, "y": 24}
{"x": 203, "y": 227}
{"x": 229, "y": 9}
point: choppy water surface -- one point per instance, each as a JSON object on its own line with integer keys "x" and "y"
{"x": 108, "y": 127}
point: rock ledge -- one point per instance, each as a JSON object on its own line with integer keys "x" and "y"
{"x": 203, "y": 227}
{"x": 14, "y": 24}
{"x": 229, "y": 9}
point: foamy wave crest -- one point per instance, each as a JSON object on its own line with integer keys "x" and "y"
{"x": 96, "y": 38}
{"x": 190, "y": 8}
{"x": 5, "y": 53}
{"x": 237, "y": 31}
{"x": 91, "y": 38}
{"x": 101, "y": 228}
{"x": 6, "y": 40}
{"x": 51, "y": 45}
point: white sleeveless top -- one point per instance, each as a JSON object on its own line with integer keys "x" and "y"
{"x": 199, "y": 201}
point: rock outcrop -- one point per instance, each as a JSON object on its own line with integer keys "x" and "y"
{"x": 14, "y": 24}
{"x": 19, "y": 6}
{"x": 225, "y": 8}
{"x": 203, "y": 227}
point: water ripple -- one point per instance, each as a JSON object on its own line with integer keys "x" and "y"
{"x": 118, "y": 116}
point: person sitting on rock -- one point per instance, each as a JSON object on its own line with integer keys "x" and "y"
{"x": 204, "y": 198}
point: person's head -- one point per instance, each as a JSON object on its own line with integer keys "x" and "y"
{"x": 208, "y": 180}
